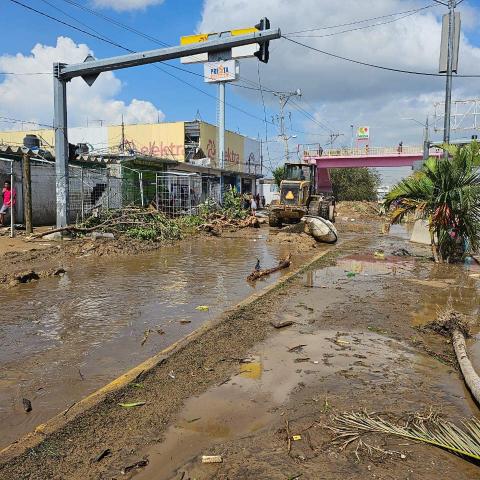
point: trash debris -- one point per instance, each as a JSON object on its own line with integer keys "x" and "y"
{"x": 137, "y": 385}
{"x": 256, "y": 274}
{"x": 301, "y": 360}
{"x": 351, "y": 274}
{"x": 102, "y": 455}
{"x": 185, "y": 322}
{"x": 296, "y": 438}
{"x": 26, "y": 277}
{"x": 171, "y": 375}
{"x": 134, "y": 466}
{"x": 283, "y": 324}
{"x": 132, "y": 404}
{"x": 401, "y": 252}
{"x": 194, "y": 420}
{"x": 297, "y": 348}
{"x": 160, "y": 331}
{"x": 146, "y": 333}
{"x": 380, "y": 254}
{"x": 27, "y": 405}
{"x": 342, "y": 342}
{"x": 212, "y": 459}
{"x": 202, "y": 308}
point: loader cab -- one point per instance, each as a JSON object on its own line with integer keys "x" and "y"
{"x": 300, "y": 172}
{"x": 303, "y": 173}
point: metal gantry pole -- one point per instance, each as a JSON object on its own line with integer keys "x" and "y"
{"x": 221, "y": 135}
{"x": 448, "y": 88}
{"x": 61, "y": 146}
{"x": 12, "y": 205}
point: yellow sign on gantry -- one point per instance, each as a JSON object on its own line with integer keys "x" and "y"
{"x": 203, "y": 37}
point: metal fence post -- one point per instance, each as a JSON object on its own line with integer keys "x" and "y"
{"x": 140, "y": 178}
{"x": 82, "y": 200}
{"x": 108, "y": 190}
{"x": 12, "y": 206}
{"x": 156, "y": 191}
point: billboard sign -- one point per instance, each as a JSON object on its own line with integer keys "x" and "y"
{"x": 363, "y": 133}
{"x": 225, "y": 71}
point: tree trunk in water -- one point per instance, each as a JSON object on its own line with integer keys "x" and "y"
{"x": 471, "y": 378}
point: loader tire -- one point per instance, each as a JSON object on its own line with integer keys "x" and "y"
{"x": 274, "y": 221}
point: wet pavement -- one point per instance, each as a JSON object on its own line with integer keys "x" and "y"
{"x": 63, "y": 338}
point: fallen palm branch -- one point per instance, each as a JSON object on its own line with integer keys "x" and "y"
{"x": 453, "y": 324}
{"x": 256, "y": 274}
{"x": 350, "y": 427}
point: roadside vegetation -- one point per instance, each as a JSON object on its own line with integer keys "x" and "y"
{"x": 152, "y": 225}
{"x": 445, "y": 193}
{"x": 355, "y": 184}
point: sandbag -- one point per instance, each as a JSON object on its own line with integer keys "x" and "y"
{"x": 321, "y": 230}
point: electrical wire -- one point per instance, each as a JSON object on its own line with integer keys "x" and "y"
{"x": 361, "y": 28}
{"x": 25, "y": 73}
{"x": 16, "y": 120}
{"x": 111, "y": 42}
{"x": 380, "y": 67}
{"x": 265, "y": 117}
{"x": 356, "y": 22}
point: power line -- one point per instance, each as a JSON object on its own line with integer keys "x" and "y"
{"x": 16, "y": 120}
{"x": 105, "y": 39}
{"x": 265, "y": 116}
{"x": 380, "y": 67}
{"x": 356, "y": 22}
{"x": 363, "y": 27}
{"x": 25, "y": 73}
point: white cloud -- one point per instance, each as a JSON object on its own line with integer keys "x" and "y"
{"x": 126, "y": 5}
{"x": 344, "y": 93}
{"x": 30, "y": 97}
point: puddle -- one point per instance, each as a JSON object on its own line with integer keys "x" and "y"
{"x": 250, "y": 400}
{"x": 447, "y": 285}
{"x": 64, "y": 338}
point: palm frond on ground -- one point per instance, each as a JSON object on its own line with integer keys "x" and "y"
{"x": 446, "y": 193}
{"x": 350, "y": 427}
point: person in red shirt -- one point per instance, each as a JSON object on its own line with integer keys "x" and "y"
{"x": 8, "y": 200}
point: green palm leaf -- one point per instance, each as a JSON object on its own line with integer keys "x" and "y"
{"x": 446, "y": 193}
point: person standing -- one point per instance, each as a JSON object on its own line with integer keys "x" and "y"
{"x": 9, "y": 197}
{"x": 253, "y": 205}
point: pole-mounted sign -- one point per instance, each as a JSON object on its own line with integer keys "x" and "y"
{"x": 224, "y": 71}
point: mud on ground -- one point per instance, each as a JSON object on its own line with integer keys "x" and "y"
{"x": 354, "y": 344}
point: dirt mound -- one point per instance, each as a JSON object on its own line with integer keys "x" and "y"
{"x": 358, "y": 210}
{"x": 298, "y": 242}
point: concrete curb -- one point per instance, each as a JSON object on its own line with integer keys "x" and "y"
{"x": 33, "y": 439}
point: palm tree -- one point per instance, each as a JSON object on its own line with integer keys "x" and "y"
{"x": 446, "y": 193}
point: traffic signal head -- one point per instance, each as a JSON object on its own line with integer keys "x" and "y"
{"x": 263, "y": 54}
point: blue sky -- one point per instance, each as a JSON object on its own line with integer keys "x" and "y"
{"x": 167, "y": 22}
{"x": 336, "y": 94}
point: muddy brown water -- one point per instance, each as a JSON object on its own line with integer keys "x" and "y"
{"x": 63, "y": 338}
{"x": 252, "y": 400}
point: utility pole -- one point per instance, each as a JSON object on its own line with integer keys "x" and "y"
{"x": 221, "y": 134}
{"x": 283, "y": 98}
{"x": 448, "y": 90}
{"x": 27, "y": 192}
{"x": 449, "y": 59}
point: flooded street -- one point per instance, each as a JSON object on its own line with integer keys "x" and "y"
{"x": 65, "y": 337}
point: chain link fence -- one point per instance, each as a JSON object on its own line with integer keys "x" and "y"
{"x": 92, "y": 190}
{"x": 174, "y": 194}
